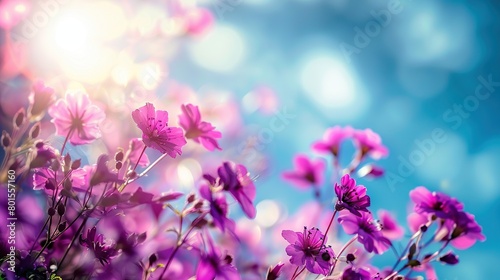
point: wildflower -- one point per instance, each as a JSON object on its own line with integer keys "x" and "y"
{"x": 155, "y": 130}
{"x": 43, "y": 154}
{"x": 369, "y": 143}
{"x": 307, "y": 172}
{"x": 96, "y": 244}
{"x": 274, "y": 272}
{"x": 332, "y": 139}
{"x": 235, "y": 179}
{"x": 350, "y": 196}
{"x": 213, "y": 266}
{"x": 198, "y": 130}
{"x": 218, "y": 208}
{"x": 308, "y": 248}
{"x": 355, "y": 274}
{"x": 367, "y": 229}
{"x": 40, "y": 99}
{"x": 438, "y": 204}
{"x": 76, "y": 118}
{"x": 135, "y": 148}
{"x": 464, "y": 230}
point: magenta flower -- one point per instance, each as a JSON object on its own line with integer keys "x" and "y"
{"x": 155, "y": 130}
{"x": 218, "y": 208}
{"x": 356, "y": 274}
{"x": 308, "y": 248}
{"x": 368, "y": 231}
{"x": 464, "y": 229}
{"x": 135, "y": 147}
{"x": 390, "y": 228}
{"x": 274, "y": 273}
{"x": 332, "y": 139}
{"x": 77, "y": 117}
{"x": 369, "y": 143}
{"x": 438, "y": 204}
{"x": 198, "y": 130}
{"x": 307, "y": 172}
{"x": 95, "y": 242}
{"x": 213, "y": 266}
{"x": 350, "y": 196}
{"x": 235, "y": 179}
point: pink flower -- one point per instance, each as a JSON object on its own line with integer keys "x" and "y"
{"x": 390, "y": 228}
{"x": 435, "y": 203}
{"x": 198, "y": 130}
{"x": 135, "y": 148}
{"x": 332, "y": 139}
{"x": 369, "y": 143}
{"x": 308, "y": 248}
{"x": 307, "y": 172}
{"x": 367, "y": 229}
{"x": 155, "y": 130}
{"x": 40, "y": 99}
{"x": 351, "y": 196}
{"x": 77, "y": 117}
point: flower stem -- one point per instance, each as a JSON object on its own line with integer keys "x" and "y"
{"x": 149, "y": 168}
{"x": 329, "y": 225}
{"x": 295, "y": 274}
{"x": 342, "y": 251}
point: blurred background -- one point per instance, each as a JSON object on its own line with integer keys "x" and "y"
{"x": 402, "y": 68}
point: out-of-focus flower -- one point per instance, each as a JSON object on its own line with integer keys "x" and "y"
{"x": 356, "y": 274}
{"x": 369, "y": 143}
{"x": 95, "y": 242}
{"x": 44, "y": 179}
{"x": 40, "y": 100}
{"x": 198, "y": 21}
{"x": 274, "y": 272}
{"x": 449, "y": 258}
{"x": 307, "y": 172}
{"x": 308, "y": 248}
{"x": 367, "y": 229}
{"x": 390, "y": 227}
{"x": 235, "y": 179}
{"x": 332, "y": 139}
{"x": 199, "y": 131}
{"x": 434, "y": 203}
{"x": 350, "y": 196}
{"x": 218, "y": 208}
{"x": 135, "y": 147}
{"x": 43, "y": 154}
{"x": 464, "y": 229}
{"x": 101, "y": 173}
{"x": 155, "y": 130}
{"x": 213, "y": 266}
{"x": 77, "y": 117}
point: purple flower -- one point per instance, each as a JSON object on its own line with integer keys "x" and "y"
{"x": 355, "y": 274}
{"x": 351, "y": 197}
{"x": 96, "y": 244}
{"x": 218, "y": 208}
{"x": 367, "y": 229}
{"x": 213, "y": 266}
{"x": 77, "y": 117}
{"x": 369, "y": 143}
{"x": 135, "y": 147}
{"x": 464, "y": 229}
{"x": 332, "y": 139}
{"x": 155, "y": 130}
{"x": 235, "y": 179}
{"x": 308, "y": 248}
{"x": 390, "y": 228}
{"x": 43, "y": 155}
{"x": 274, "y": 272}
{"x": 200, "y": 131}
{"x": 307, "y": 172}
{"x": 435, "y": 203}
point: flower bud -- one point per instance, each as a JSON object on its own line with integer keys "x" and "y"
{"x": 152, "y": 259}
{"x": 119, "y": 155}
{"x": 6, "y": 140}
{"x": 49, "y": 185}
{"x": 118, "y": 165}
{"x": 35, "y": 131}
{"x": 76, "y": 164}
{"x": 67, "y": 160}
{"x": 131, "y": 174}
{"x": 61, "y": 209}
{"x": 61, "y": 227}
{"x": 449, "y": 258}
{"x": 55, "y": 165}
{"x": 19, "y": 118}
{"x": 51, "y": 211}
{"x": 350, "y": 257}
{"x": 191, "y": 197}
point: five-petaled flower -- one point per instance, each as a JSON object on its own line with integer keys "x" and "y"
{"x": 199, "y": 131}
{"x": 351, "y": 196}
{"x": 155, "y": 130}
{"x": 308, "y": 247}
{"x": 367, "y": 229}
{"x": 76, "y": 118}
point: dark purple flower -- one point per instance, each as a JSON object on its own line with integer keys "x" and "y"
{"x": 439, "y": 204}
{"x": 213, "y": 266}
{"x": 218, "y": 208}
{"x": 355, "y": 274}
{"x": 464, "y": 230}
{"x": 95, "y": 242}
{"x": 351, "y": 197}
{"x": 367, "y": 229}
{"x": 235, "y": 179}
{"x": 43, "y": 155}
{"x": 274, "y": 272}
{"x": 307, "y": 172}
{"x": 308, "y": 248}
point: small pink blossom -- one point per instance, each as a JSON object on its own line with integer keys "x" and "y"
{"x": 332, "y": 139}
{"x": 307, "y": 172}
{"x": 390, "y": 227}
{"x": 367, "y": 229}
{"x": 77, "y": 117}
{"x": 135, "y": 147}
{"x": 155, "y": 130}
{"x": 200, "y": 131}
{"x": 369, "y": 143}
